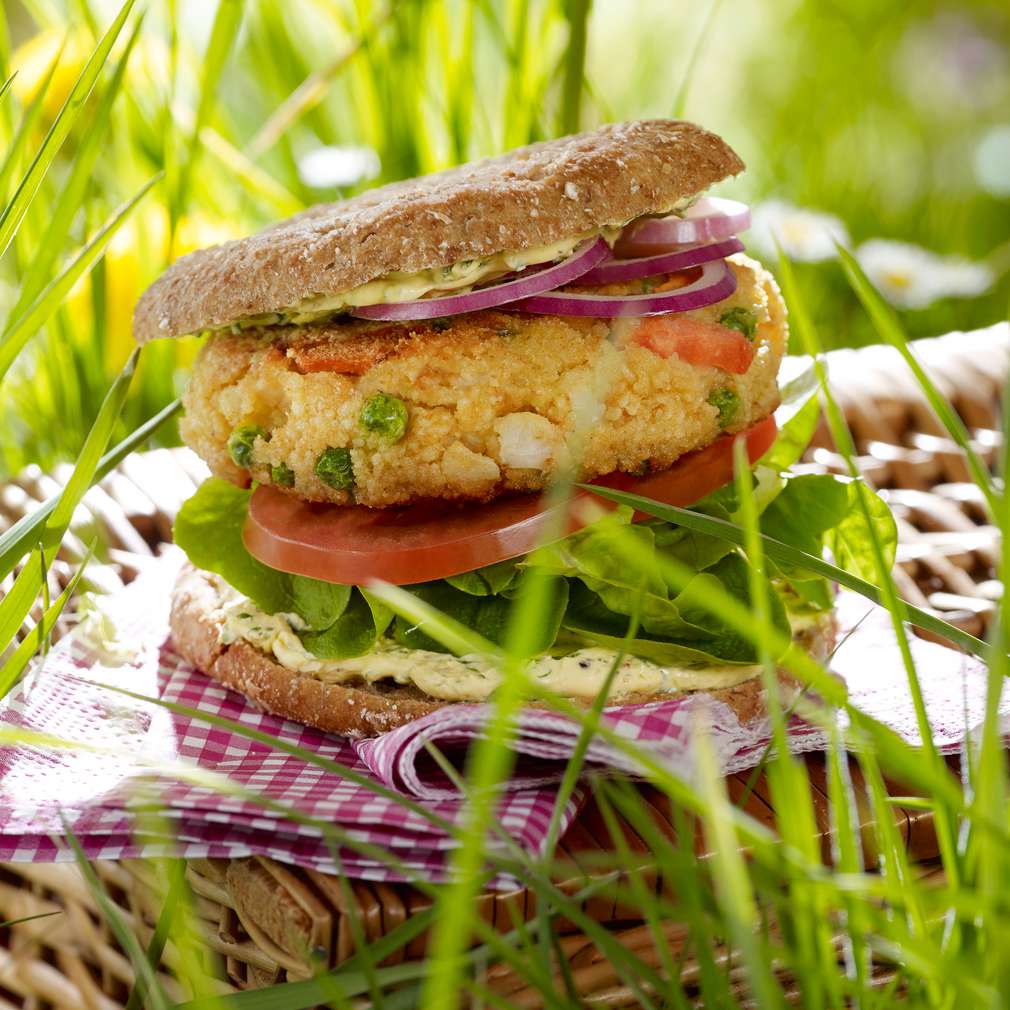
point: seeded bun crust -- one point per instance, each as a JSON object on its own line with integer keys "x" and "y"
{"x": 371, "y": 709}
{"x": 530, "y": 197}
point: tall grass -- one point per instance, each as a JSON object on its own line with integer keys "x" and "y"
{"x": 144, "y": 136}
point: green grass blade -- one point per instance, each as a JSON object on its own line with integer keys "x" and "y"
{"x": 641, "y": 892}
{"x": 766, "y": 754}
{"x": 551, "y": 901}
{"x": 29, "y": 918}
{"x": 896, "y": 608}
{"x": 26, "y": 126}
{"x": 457, "y": 638}
{"x": 797, "y": 417}
{"x": 893, "y": 863}
{"x": 680, "y": 102}
{"x": 227, "y": 20}
{"x": 73, "y": 190}
{"x": 349, "y": 977}
{"x": 577, "y": 14}
{"x": 313, "y": 89}
{"x": 18, "y": 332}
{"x": 848, "y": 855}
{"x": 573, "y": 769}
{"x": 758, "y": 593}
{"x": 16, "y": 541}
{"x": 359, "y": 939}
{"x": 988, "y": 861}
{"x": 14, "y": 607}
{"x": 162, "y": 930}
{"x": 72, "y": 109}
{"x": 120, "y": 928}
{"x": 248, "y": 175}
{"x": 733, "y": 888}
{"x": 889, "y": 330}
{"x": 489, "y": 764}
{"x": 19, "y": 659}
{"x": 94, "y": 446}
{"x": 787, "y": 776}
{"x": 305, "y": 994}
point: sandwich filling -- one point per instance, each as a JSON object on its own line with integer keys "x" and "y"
{"x": 345, "y": 634}
{"x": 579, "y": 674}
{"x": 476, "y": 406}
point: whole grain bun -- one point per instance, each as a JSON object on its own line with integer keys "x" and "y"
{"x": 533, "y": 196}
{"x": 365, "y": 710}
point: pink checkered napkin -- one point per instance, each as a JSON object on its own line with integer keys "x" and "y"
{"x": 129, "y": 754}
{"x": 544, "y": 741}
{"x": 128, "y": 764}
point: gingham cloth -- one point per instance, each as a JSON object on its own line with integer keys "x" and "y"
{"x": 141, "y": 780}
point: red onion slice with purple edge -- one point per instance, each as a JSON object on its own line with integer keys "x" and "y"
{"x": 711, "y": 219}
{"x": 614, "y": 270}
{"x": 717, "y": 281}
{"x": 531, "y": 281}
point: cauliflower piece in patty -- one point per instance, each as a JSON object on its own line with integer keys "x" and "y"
{"x": 471, "y": 406}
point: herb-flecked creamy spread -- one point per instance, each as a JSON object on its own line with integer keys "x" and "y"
{"x": 579, "y": 675}
{"x": 401, "y": 286}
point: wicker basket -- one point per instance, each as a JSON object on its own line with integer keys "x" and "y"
{"x": 259, "y": 918}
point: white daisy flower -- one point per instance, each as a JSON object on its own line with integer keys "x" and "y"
{"x": 911, "y": 277}
{"x": 992, "y": 160}
{"x": 804, "y": 234}
{"x": 332, "y": 167}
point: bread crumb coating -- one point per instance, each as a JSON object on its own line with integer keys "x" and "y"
{"x": 471, "y": 406}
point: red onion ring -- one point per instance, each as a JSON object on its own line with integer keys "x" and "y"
{"x": 711, "y": 219}
{"x": 717, "y": 281}
{"x": 527, "y": 283}
{"x": 613, "y": 269}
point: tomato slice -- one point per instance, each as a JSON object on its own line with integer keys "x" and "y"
{"x": 355, "y": 545}
{"x": 696, "y": 342}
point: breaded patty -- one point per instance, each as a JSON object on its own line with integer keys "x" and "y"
{"x": 471, "y": 406}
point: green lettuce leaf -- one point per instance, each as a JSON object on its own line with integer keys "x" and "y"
{"x": 849, "y": 539}
{"x": 488, "y": 581}
{"x": 797, "y": 419}
{"x": 699, "y": 551}
{"x": 353, "y": 633}
{"x": 209, "y": 529}
{"x": 487, "y": 615}
{"x": 340, "y": 621}
{"x": 606, "y": 592}
{"x": 318, "y": 603}
{"x": 691, "y": 635}
{"x": 809, "y": 506}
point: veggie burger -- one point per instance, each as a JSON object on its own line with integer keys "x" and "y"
{"x": 391, "y": 384}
